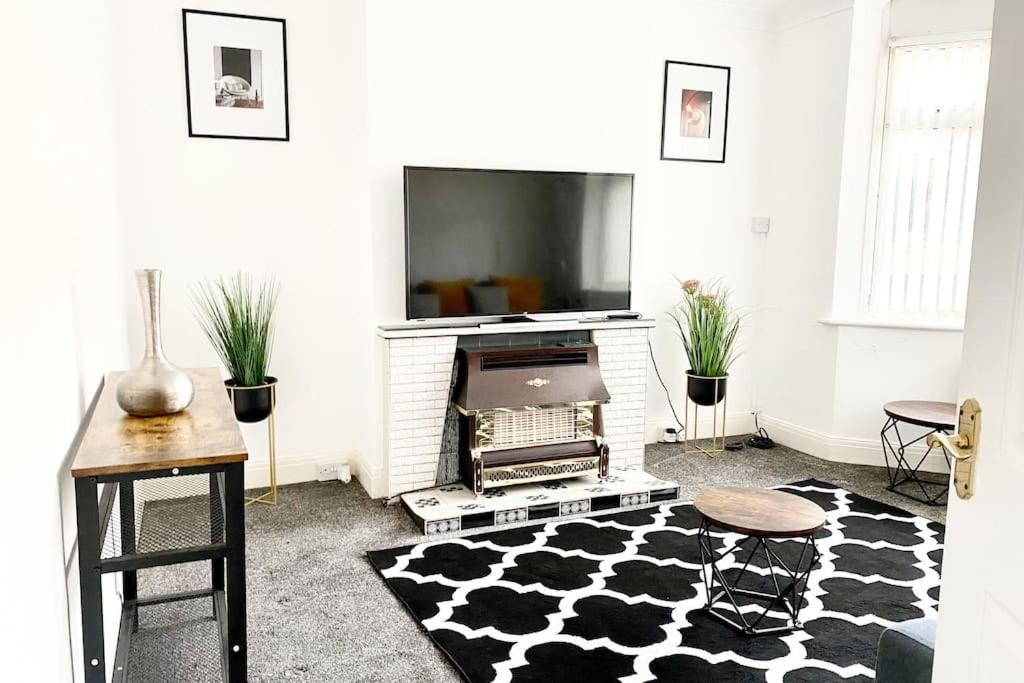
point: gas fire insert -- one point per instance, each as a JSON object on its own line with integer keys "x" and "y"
{"x": 529, "y": 415}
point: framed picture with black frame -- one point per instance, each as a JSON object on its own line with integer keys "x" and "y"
{"x": 236, "y": 75}
{"x": 695, "y": 112}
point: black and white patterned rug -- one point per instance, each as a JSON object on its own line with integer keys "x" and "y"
{"x": 620, "y": 597}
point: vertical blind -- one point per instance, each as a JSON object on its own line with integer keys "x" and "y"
{"x": 919, "y": 257}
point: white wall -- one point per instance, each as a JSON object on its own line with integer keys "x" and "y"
{"x": 298, "y": 210}
{"x": 880, "y": 365}
{"x": 821, "y": 387}
{"x": 796, "y": 355}
{"x": 536, "y": 85}
{"x": 568, "y": 85}
{"x": 407, "y": 83}
{"x": 697, "y": 221}
{"x": 875, "y": 365}
{"x": 60, "y": 304}
{"x": 573, "y": 85}
{"x": 923, "y": 17}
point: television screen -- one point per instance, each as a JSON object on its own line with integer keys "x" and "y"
{"x": 485, "y": 243}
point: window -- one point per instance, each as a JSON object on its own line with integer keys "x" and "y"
{"x": 917, "y": 256}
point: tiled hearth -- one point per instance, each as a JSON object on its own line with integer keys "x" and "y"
{"x": 454, "y": 508}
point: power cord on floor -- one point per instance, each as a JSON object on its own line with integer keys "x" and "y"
{"x": 662, "y": 382}
{"x": 761, "y": 438}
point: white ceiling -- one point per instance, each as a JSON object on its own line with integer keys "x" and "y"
{"x": 758, "y": 4}
{"x": 776, "y": 9}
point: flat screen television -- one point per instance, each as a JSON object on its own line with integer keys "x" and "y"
{"x": 492, "y": 243}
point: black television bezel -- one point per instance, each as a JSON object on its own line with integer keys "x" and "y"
{"x": 405, "y": 237}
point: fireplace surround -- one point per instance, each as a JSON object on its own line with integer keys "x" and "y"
{"x": 418, "y": 365}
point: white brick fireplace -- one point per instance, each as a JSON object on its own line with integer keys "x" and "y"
{"x": 418, "y": 363}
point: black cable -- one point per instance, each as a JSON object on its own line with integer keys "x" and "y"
{"x": 760, "y": 439}
{"x": 667, "y": 394}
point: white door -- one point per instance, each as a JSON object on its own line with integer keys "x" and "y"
{"x": 981, "y": 610}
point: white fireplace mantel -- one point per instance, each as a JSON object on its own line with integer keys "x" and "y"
{"x": 417, "y": 363}
{"x": 417, "y": 330}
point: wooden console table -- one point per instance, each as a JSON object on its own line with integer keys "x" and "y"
{"x": 137, "y": 461}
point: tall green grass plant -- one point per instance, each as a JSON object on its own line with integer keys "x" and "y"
{"x": 707, "y": 327}
{"x": 237, "y": 315}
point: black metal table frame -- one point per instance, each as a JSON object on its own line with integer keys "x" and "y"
{"x": 226, "y": 553}
{"x": 788, "y": 595}
{"x": 899, "y": 468}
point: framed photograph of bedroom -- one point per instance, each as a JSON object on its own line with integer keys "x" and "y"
{"x": 236, "y": 76}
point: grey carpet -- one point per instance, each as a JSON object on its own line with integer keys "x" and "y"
{"x": 319, "y": 612}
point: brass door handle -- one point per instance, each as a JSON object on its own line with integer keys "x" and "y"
{"x": 957, "y": 445}
{"x": 962, "y": 447}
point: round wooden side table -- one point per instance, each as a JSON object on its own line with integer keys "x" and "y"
{"x": 905, "y": 478}
{"x": 763, "y": 517}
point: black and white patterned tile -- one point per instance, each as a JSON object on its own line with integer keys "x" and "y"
{"x": 623, "y": 487}
{"x": 574, "y": 507}
{"x": 441, "y": 526}
{"x": 634, "y": 499}
{"x": 510, "y": 516}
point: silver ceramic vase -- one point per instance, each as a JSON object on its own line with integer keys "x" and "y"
{"x": 155, "y": 387}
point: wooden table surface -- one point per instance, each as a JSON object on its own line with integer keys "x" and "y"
{"x": 760, "y": 512}
{"x": 934, "y": 414}
{"x": 204, "y": 434}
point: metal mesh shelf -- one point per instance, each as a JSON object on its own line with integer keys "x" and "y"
{"x": 176, "y": 641}
{"x": 170, "y": 513}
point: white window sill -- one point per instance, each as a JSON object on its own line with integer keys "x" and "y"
{"x": 932, "y": 325}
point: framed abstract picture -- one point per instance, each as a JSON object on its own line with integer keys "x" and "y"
{"x": 695, "y": 112}
{"x": 236, "y": 76}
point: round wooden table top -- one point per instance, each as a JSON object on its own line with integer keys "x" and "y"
{"x": 760, "y": 512}
{"x": 933, "y": 414}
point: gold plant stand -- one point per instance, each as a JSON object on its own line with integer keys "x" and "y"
{"x": 692, "y": 445}
{"x": 270, "y": 497}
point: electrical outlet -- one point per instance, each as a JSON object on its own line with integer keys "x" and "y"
{"x": 761, "y": 224}
{"x": 327, "y": 471}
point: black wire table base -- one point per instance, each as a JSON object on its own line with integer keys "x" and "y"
{"x": 787, "y": 596}
{"x": 905, "y": 478}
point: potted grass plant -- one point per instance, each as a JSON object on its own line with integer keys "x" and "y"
{"x": 708, "y": 328}
{"x": 237, "y": 315}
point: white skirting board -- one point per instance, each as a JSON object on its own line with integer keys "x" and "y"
{"x": 301, "y": 468}
{"x": 844, "y": 449}
{"x": 736, "y": 424}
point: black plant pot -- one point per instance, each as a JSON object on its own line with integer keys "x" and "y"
{"x": 705, "y": 391}
{"x": 252, "y": 404}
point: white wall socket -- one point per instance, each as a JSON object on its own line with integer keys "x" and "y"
{"x": 761, "y": 224}
{"x": 327, "y": 471}
{"x": 333, "y": 471}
